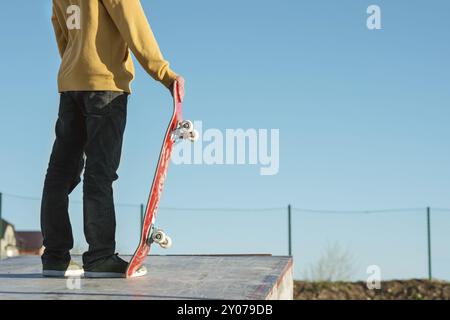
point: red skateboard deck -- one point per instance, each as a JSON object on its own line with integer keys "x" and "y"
{"x": 177, "y": 129}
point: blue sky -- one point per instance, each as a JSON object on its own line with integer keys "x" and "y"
{"x": 363, "y": 119}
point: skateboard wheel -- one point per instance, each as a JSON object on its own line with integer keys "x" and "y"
{"x": 193, "y": 136}
{"x": 187, "y": 125}
{"x": 159, "y": 236}
{"x": 166, "y": 244}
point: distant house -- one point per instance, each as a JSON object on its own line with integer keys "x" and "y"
{"x": 8, "y": 240}
{"x": 29, "y": 242}
{"x": 14, "y": 243}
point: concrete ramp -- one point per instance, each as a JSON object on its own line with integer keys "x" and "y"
{"x": 248, "y": 277}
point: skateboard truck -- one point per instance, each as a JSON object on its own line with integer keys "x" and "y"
{"x": 160, "y": 237}
{"x": 185, "y": 130}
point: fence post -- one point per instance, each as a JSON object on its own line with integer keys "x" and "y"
{"x": 142, "y": 216}
{"x": 289, "y": 230}
{"x": 429, "y": 242}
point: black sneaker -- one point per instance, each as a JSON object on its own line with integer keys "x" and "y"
{"x": 61, "y": 269}
{"x": 111, "y": 267}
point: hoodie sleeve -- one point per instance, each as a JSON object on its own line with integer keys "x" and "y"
{"x": 60, "y": 33}
{"x": 130, "y": 19}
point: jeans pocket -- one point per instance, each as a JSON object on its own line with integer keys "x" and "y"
{"x": 97, "y": 102}
{"x": 104, "y": 102}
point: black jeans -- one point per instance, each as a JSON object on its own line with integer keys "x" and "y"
{"x": 89, "y": 134}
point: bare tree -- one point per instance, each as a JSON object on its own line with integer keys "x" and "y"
{"x": 335, "y": 264}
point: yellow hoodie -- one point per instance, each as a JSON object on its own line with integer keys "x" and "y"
{"x": 94, "y": 40}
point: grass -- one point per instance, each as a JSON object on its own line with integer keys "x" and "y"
{"x": 414, "y": 289}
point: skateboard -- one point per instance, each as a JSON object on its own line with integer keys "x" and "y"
{"x": 176, "y": 130}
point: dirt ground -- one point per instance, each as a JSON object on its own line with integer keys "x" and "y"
{"x": 390, "y": 290}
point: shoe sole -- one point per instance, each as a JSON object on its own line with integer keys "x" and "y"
{"x": 88, "y": 274}
{"x": 62, "y": 274}
{"x": 91, "y": 274}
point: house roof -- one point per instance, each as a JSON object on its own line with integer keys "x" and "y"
{"x": 29, "y": 240}
{"x": 5, "y": 224}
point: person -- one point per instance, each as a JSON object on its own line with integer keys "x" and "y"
{"x": 94, "y": 38}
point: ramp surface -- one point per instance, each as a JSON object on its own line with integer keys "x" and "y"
{"x": 245, "y": 277}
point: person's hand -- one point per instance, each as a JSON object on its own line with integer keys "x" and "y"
{"x": 180, "y": 81}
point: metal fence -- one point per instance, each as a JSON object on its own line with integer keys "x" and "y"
{"x": 401, "y": 239}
